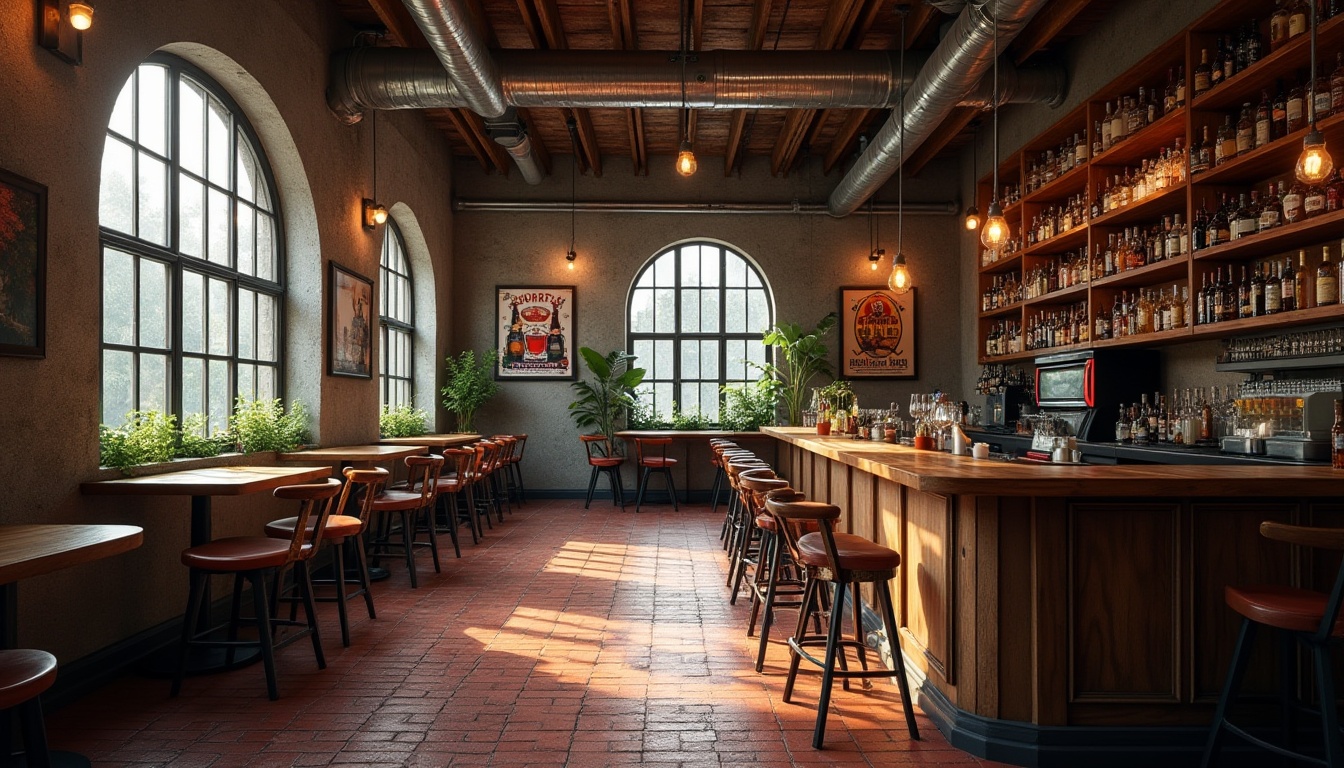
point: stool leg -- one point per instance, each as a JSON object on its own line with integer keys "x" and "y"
{"x": 758, "y": 578}
{"x": 643, "y": 484}
{"x": 262, "y": 608}
{"x": 614, "y": 480}
{"x": 1241, "y": 657}
{"x": 804, "y": 612}
{"x": 768, "y": 618}
{"x": 338, "y": 553}
{"x": 235, "y": 611}
{"x": 407, "y": 539}
{"x": 883, "y": 590}
{"x": 620, "y": 486}
{"x": 740, "y": 564}
{"x": 522, "y": 490}
{"x": 1287, "y": 689}
{"x": 304, "y": 577}
{"x": 1325, "y": 690}
{"x": 857, "y": 601}
{"x": 195, "y": 600}
{"x": 671, "y": 488}
{"x": 34, "y": 734}
{"x": 828, "y": 671}
{"x": 457, "y": 516}
{"x": 433, "y": 536}
{"x": 364, "y": 582}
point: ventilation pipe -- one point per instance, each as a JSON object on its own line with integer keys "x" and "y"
{"x": 510, "y": 132}
{"x": 954, "y": 68}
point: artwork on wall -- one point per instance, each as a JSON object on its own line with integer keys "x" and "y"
{"x": 877, "y": 333}
{"x": 23, "y": 266}
{"x": 534, "y": 332}
{"x": 349, "y": 324}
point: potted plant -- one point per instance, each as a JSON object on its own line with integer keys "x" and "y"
{"x": 837, "y": 402}
{"x": 468, "y": 386}
{"x": 264, "y": 425}
{"x": 801, "y": 357}
{"x": 749, "y": 407}
{"x": 608, "y": 394}
{"x": 402, "y": 421}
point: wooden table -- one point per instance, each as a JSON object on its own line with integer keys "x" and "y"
{"x": 350, "y": 455}
{"x": 437, "y": 441}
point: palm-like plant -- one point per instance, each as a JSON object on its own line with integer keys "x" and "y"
{"x": 803, "y": 357}
{"x": 607, "y": 396}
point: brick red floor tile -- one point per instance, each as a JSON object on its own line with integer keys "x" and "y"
{"x": 565, "y": 638}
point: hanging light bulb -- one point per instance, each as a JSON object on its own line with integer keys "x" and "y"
{"x": 972, "y": 219}
{"x": 570, "y": 257}
{"x": 686, "y": 164}
{"x": 996, "y": 231}
{"x": 899, "y": 279}
{"x": 876, "y": 256}
{"x": 1314, "y": 164}
{"x": 80, "y": 16}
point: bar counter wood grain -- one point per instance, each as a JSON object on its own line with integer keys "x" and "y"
{"x": 1064, "y": 614}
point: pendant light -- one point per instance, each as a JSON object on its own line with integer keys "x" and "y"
{"x": 686, "y": 164}
{"x": 972, "y": 213}
{"x": 374, "y": 212}
{"x": 573, "y": 126}
{"x": 875, "y": 254}
{"x": 995, "y": 231}
{"x": 899, "y": 279}
{"x": 1314, "y": 164}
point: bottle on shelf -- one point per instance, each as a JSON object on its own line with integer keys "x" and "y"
{"x": 1313, "y": 202}
{"x": 1203, "y": 73}
{"x": 1327, "y": 281}
{"x": 1279, "y": 111}
{"x": 1337, "y": 83}
{"x": 1295, "y": 108}
{"x": 1122, "y": 434}
{"x": 1299, "y": 18}
{"x": 1303, "y": 297}
{"x": 1288, "y": 286}
{"x": 1293, "y": 201}
{"x": 1273, "y": 291}
{"x": 1337, "y": 437}
{"x": 1245, "y": 136}
{"x": 1278, "y": 26}
{"x": 1264, "y": 122}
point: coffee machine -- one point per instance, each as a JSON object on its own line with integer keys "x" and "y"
{"x": 1074, "y": 387}
{"x": 1002, "y": 409}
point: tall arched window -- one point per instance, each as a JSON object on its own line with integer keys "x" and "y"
{"x": 192, "y": 258}
{"x": 398, "y": 320}
{"x": 695, "y": 319}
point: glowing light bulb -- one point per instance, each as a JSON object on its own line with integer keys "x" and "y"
{"x": 1314, "y": 164}
{"x": 876, "y": 256}
{"x": 379, "y": 214}
{"x": 80, "y": 16}
{"x": 899, "y": 279}
{"x": 569, "y": 259}
{"x": 972, "y": 219}
{"x": 995, "y": 232}
{"x": 686, "y": 164}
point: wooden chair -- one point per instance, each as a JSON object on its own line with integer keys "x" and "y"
{"x": 456, "y": 482}
{"x": 516, "y": 464}
{"x": 1302, "y": 617}
{"x": 716, "y": 448}
{"x": 738, "y": 521}
{"x": 746, "y": 556}
{"x": 840, "y": 559}
{"x": 24, "y": 676}
{"x": 647, "y": 463}
{"x": 604, "y": 460}
{"x": 414, "y": 504}
{"x": 775, "y": 584}
{"x": 342, "y": 530}
{"x": 250, "y": 558}
{"x": 505, "y": 468}
{"x": 730, "y": 512}
{"x": 486, "y": 465}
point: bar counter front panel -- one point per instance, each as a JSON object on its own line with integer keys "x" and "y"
{"x": 1081, "y": 596}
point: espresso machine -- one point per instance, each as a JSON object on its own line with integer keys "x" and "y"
{"x": 1080, "y": 393}
{"x": 1284, "y": 418}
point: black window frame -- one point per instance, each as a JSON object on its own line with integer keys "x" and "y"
{"x": 388, "y": 324}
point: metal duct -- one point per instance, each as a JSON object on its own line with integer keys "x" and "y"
{"x": 509, "y": 131}
{"x": 783, "y": 209}
{"x": 405, "y": 78}
{"x": 955, "y": 66}
{"x": 950, "y": 7}
{"x": 451, "y": 34}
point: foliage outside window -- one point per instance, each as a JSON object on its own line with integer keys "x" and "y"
{"x": 397, "y": 322}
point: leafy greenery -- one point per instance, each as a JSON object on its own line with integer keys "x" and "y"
{"x": 610, "y": 393}
{"x": 402, "y": 421}
{"x": 802, "y": 357}
{"x": 641, "y": 416}
{"x": 749, "y": 407}
{"x": 837, "y": 396}
{"x": 688, "y": 420}
{"x": 469, "y": 385}
{"x": 196, "y": 440}
{"x": 147, "y": 437}
{"x": 263, "y": 425}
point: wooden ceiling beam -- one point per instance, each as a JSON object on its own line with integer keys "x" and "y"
{"x": 1052, "y": 20}
{"x": 542, "y": 20}
{"x": 760, "y": 20}
{"x": 625, "y": 38}
{"x": 401, "y": 28}
{"x": 952, "y": 127}
{"x": 834, "y": 33}
{"x": 498, "y": 156}
{"x": 790, "y": 140}
{"x": 917, "y": 23}
{"x": 454, "y": 116}
{"x": 735, "y": 131}
{"x": 588, "y": 139}
{"x": 854, "y": 124}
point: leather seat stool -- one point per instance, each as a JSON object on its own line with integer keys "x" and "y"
{"x": 24, "y": 676}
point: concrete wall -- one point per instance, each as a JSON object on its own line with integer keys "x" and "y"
{"x": 272, "y": 57}
{"x": 805, "y": 258}
{"x": 1129, "y": 32}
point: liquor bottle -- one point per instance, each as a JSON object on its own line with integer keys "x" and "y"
{"x": 1293, "y": 201}
{"x": 1278, "y": 26}
{"x": 1245, "y": 136}
{"x": 1221, "y": 61}
{"x": 1313, "y": 202}
{"x": 1205, "y": 417}
{"x": 1264, "y": 125}
{"x": 1296, "y": 108}
{"x": 1244, "y": 295}
{"x": 1180, "y": 85}
{"x": 1327, "y": 283}
{"x": 1180, "y": 308}
{"x": 1201, "y": 300}
{"x": 1334, "y": 192}
{"x": 1227, "y": 142}
{"x": 1230, "y": 305}
{"x": 1320, "y": 97}
{"x": 1182, "y": 236}
{"x": 1169, "y": 95}
{"x": 1119, "y": 120}
{"x": 1299, "y": 18}
{"x": 1279, "y": 111}
{"x": 1220, "y": 230}
{"x": 1254, "y": 45}
{"x": 1337, "y": 84}
{"x": 1105, "y": 129}
{"x": 1287, "y": 287}
{"x": 1122, "y": 425}
{"x": 1203, "y": 73}
{"x": 513, "y": 345}
{"x": 1246, "y": 219}
{"x": 1138, "y": 430}
{"x": 1303, "y": 297}
{"x": 1271, "y": 211}
{"x": 1257, "y": 292}
{"x": 1154, "y": 418}
{"x": 1217, "y": 297}
{"x": 1337, "y": 437}
{"x": 555, "y": 341}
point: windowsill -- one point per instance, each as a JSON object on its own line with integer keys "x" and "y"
{"x": 177, "y": 465}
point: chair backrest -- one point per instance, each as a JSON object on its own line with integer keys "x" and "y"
{"x": 460, "y": 461}
{"x": 758, "y": 482}
{"x": 487, "y": 450}
{"x": 371, "y": 481}
{"x": 518, "y": 451}
{"x": 506, "y": 444}
{"x": 1318, "y": 538}
{"x": 600, "y": 443}
{"x": 660, "y": 443}
{"x": 316, "y": 501}
{"x": 763, "y": 472}
{"x": 424, "y": 471}
{"x": 792, "y": 510}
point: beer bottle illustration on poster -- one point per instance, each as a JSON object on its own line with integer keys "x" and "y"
{"x": 534, "y": 330}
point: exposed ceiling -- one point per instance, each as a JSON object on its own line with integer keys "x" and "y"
{"x": 722, "y": 138}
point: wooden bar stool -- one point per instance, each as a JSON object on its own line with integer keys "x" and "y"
{"x": 456, "y": 481}
{"x": 251, "y": 558}
{"x": 24, "y": 676}
{"x": 516, "y": 463}
{"x": 717, "y": 446}
{"x": 414, "y": 504}
{"x": 605, "y": 460}
{"x": 737, "y": 503}
{"x": 840, "y": 559}
{"x": 341, "y": 529}
{"x": 777, "y": 585}
{"x": 1302, "y": 616}
{"x": 745, "y": 555}
{"x": 501, "y": 476}
{"x": 647, "y": 464}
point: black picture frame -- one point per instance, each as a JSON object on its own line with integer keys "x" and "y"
{"x": 878, "y": 333}
{"x": 529, "y": 352}
{"x": 350, "y": 328}
{"x": 23, "y": 267}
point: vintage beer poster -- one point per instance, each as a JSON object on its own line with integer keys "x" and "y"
{"x": 877, "y": 333}
{"x": 534, "y": 332}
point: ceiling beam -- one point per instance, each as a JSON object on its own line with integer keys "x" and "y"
{"x": 1052, "y": 20}
{"x": 538, "y": 146}
{"x": 542, "y": 19}
{"x": 917, "y": 23}
{"x": 760, "y": 19}
{"x": 458, "y": 119}
{"x": 587, "y": 139}
{"x": 401, "y": 28}
{"x": 625, "y": 38}
{"x": 949, "y": 130}
{"x": 855, "y": 123}
{"x": 841, "y": 18}
{"x": 639, "y": 153}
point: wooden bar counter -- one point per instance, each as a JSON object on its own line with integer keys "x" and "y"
{"x": 1060, "y": 615}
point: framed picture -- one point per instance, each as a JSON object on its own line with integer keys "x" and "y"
{"x": 349, "y": 324}
{"x": 877, "y": 334}
{"x": 534, "y": 332}
{"x": 23, "y": 267}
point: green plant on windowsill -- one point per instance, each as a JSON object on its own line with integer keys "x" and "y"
{"x": 265, "y": 425}
{"x": 682, "y": 420}
{"x": 146, "y": 437}
{"x": 402, "y": 421}
{"x": 801, "y": 357}
{"x": 642, "y": 416}
{"x": 196, "y": 440}
{"x": 748, "y": 407}
{"x": 469, "y": 385}
{"x": 607, "y": 397}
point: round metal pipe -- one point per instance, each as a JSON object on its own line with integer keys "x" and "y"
{"x": 809, "y": 209}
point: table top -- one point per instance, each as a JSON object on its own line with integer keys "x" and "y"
{"x": 439, "y": 440}
{"x": 32, "y": 550}
{"x": 357, "y": 453}
{"x": 207, "y": 481}
{"x": 687, "y": 434}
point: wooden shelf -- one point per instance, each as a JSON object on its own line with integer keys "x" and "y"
{"x": 1061, "y": 348}
{"x": 1289, "y": 237}
{"x": 1068, "y": 295}
{"x": 1016, "y": 357}
{"x": 1064, "y": 187}
{"x": 1241, "y": 326}
{"x": 1004, "y": 311}
{"x": 1060, "y": 243}
{"x": 1174, "y": 336}
{"x": 1148, "y": 274}
{"x": 1146, "y": 143}
{"x": 1006, "y": 264}
{"x": 1150, "y": 209}
{"x": 1247, "y": 84}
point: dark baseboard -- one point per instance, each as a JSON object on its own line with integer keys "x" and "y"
{"x": 653, "y": 496}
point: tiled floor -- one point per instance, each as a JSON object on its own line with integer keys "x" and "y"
{"x": 566, "y": 638}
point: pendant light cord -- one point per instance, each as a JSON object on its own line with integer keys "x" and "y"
{"x": 682, "y": 118}
{"x": 900, "y": 149}
{"x": 994, "y": 23}
{"x": 573, "y": 127}
{"x": 1313, "y": 65}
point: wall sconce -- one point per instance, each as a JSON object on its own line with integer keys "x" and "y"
{"x": 875, "y": 257}
{"x": 570, "y": 257}
{"x": 78, "y": 18}
{"x": 374, "y": 213}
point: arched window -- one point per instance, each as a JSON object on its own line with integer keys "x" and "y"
{"x": 192, "y": 258}
{"x": 695, "y": 319}
{"x": 398, "y": 320}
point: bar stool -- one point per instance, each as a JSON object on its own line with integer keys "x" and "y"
{"x": 737, "y": 504}
{"x": 501, "y": 476}
{"x": 745, "y": 555}
{"x": 250, "y": 558}
{"x": 486, "y": 451}
{"x": 339, "y": 530}
{"x": 516, "y": 463}
{"x": 411, "y": 503}
{"x": 776, "y": 585}
{"x": 648, "y": 464}
{"x": 456, "y": 481}
{"x": 605, "y": 460}
{"x": 717, "y": 446}
{"x": 840, "y": 559}
{"x": 24, "y": 676}
{"x": 1304, "y": 617}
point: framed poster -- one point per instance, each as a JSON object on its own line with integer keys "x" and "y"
{"x": 534, "y": 332}
{"x": 23, "y": 267}
{"x": 877, "y": 334}
{"x": 349, "y": 324}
